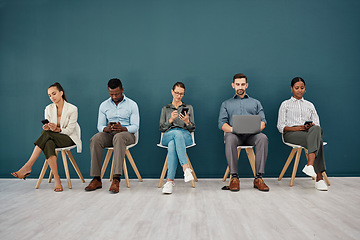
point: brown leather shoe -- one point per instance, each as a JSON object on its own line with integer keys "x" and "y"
{"x": 94, "y": 184}
{"x": 260, "y": 184}
{"x": 114, "y": 186}
{"x": 234, "y": 184}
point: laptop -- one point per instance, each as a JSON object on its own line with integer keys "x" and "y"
{"x": 246, "y": 124}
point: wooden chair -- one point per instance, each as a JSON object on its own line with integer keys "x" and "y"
{"x": 251, "y": 156}
{"x": 166, "y": 162}
{"x": 297, "y": 149}
{"x": 64, "y": 151}
{"x": 130, "y": 158}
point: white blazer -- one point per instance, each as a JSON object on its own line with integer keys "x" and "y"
{"x": 68, "y": 121}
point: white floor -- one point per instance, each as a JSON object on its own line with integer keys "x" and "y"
{"x": 206, "y": 212}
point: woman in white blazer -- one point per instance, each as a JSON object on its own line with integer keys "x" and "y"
{"x": 60, "y": 130}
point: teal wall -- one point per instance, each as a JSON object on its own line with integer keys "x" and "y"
{"x": 150, "y": 45}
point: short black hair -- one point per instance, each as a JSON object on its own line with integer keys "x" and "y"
{"x": 239, "y": 75}
{"x": 297, "y": 79}
{"x": 114, "y": 83}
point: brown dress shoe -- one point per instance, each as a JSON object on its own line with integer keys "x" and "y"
{"x": 94, "y": 184}
{"x": 260, "y": 184}
{"x": 114, "y": 186}
{"x": 234, "y": 184}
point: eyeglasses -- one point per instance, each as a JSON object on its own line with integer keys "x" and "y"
{"x": 179, "y": 94}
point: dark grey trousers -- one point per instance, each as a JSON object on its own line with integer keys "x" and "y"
{"x": 310, "y": 139}
{"x": 260, "y": 141}
{"x": 102, "y": 140}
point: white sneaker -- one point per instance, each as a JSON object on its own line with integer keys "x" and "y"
{"x": 187, "y": 175}
{"x": 168, "y": 187}
{"x": 309, "y": 170}
{"x": 321, "y": 185}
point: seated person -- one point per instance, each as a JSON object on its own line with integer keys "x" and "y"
{"x": 242, "y": 104}
{"x": 293, "y": 114}
{"x": 59, "y": 131}
{"x": 176, "y": 125}
{"x": 117, "y": 123}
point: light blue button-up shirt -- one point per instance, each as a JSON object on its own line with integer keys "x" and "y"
{"x": 240, "y": 106}
{"x": 126, "y": 112}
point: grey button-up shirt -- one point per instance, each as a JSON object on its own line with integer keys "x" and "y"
{"x": 239, "y": 106}
{"x": 177, "y": 123}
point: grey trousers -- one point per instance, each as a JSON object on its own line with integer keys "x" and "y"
{"x": 312, "y": 140}
{"x": 102, "y": 140}
{"x": 260, "y": 141}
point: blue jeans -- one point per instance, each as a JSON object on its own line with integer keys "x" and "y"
{"x": 176, "y": 140}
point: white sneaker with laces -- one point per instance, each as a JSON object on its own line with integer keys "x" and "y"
{"x": 321, "y": 185}
{"x": 187, "y": 175}
{"x": 168, "y": 187}
{"x": 309, "y": 170}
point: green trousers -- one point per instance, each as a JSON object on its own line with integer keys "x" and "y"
{"x": 50, "y": 140}
{"x": 312, "y": 140}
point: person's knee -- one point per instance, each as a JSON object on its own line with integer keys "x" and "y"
{"x": 120, "y": 138}
{"x": 96, "y": 139}
{"x": 45, "y": 133}
{"x": 231, "y": 139}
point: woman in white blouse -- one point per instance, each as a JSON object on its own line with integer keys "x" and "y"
{"x": 299, "y": 123}
{"x": 60, "y": 130}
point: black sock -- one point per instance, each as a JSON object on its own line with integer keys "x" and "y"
{"x": 259, "y": 175}
{"x": 117, "y": 176}
{"x": 97, "y": 178}
{"x": 234, "y": 175}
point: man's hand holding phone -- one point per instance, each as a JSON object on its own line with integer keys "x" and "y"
{"x": 116, "y": 127}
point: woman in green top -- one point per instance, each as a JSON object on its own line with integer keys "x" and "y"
{"x": 176, "y": 122}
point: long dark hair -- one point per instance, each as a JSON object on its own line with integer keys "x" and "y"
{"x": 297, "y": 79}
{"x": 178, "y": 84}
{"x": 60, "y": 88}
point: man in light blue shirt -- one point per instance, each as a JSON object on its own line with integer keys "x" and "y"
{"x": 242, "y": 104}
{"x": 118, "y": 121}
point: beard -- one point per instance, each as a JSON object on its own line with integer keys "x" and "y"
{"x": 240, "y": 92}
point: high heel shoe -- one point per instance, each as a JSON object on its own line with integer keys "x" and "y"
{"x": 19, "y": 175}
{"x": 58, "y": 189}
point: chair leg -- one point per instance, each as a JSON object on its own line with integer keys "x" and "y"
{"x": 50, "y": 176}
{"x": 42, "y": 173}
{"x": 73, "y": 162}
{"x": 163, "y": 172}
{"x": 112, "y": 170}
{"x": 288, "y": 161}
{"x": 106, "y": 162}
{"x": 251, "y": 156}
{"x": 326, "y": 178}
{"x": 193, "y": 171}
{"x": 296, "y": 163}
{"x": 131, "y": 160}
{"x": 66, "y": 168}
{"x": 126, "y": 174}
{"x": 226, "y": 174}
{"x": 227, "y": 171}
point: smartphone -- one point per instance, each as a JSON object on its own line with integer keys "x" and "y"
{"x": 308, "y": 122}
{"x": 112, "y": 123}
{"x": 45, "y": 121}
{"x": 184, "y": 111}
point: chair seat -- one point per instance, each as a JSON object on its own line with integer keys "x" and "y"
{"x": 65, "y": 148}
{"x": 298, "y": 146}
